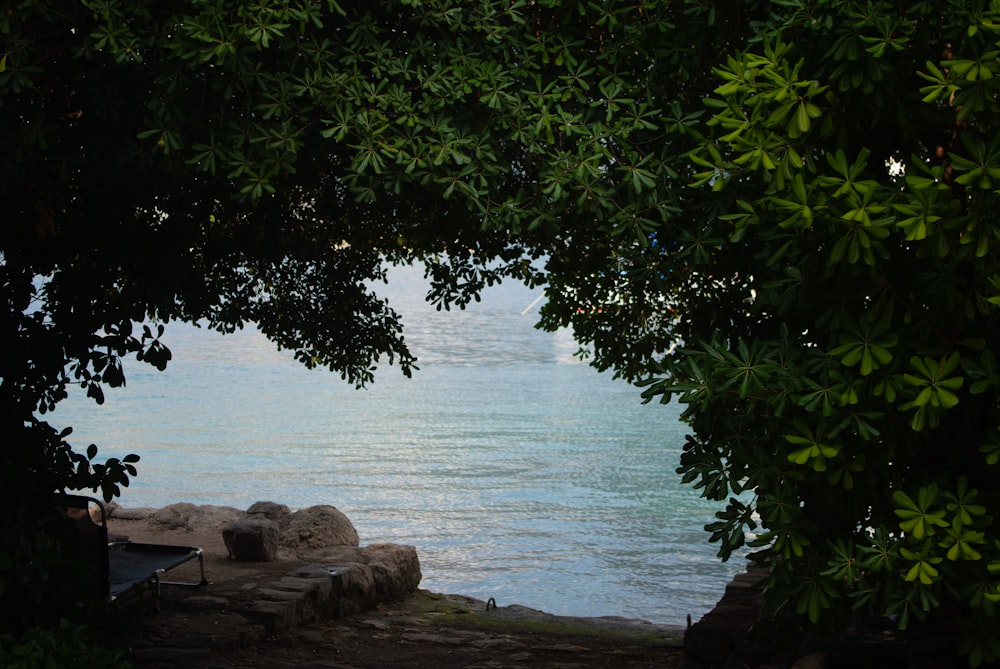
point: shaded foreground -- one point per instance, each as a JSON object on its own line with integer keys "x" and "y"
{"x": 434, "y": 631}
{"x": 240, "y": 620}
{"x": 306, "y": 612}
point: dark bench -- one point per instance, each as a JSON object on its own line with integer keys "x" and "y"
{"x": 118, "y": 568}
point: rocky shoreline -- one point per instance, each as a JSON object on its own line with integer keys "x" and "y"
{"x": 275, "y": 572}
{"x": 318, "y": 576}
{"x": 268, "y": 532}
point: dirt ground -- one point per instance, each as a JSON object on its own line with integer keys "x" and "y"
{"x": 403, "y": 635}
{"x": 426, "y": 630}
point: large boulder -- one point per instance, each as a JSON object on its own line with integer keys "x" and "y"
{"x": 173, "y": 516}
{"x": 119, "y": 512}
{"x": 318, "y": 527}
{"x": 721, "y": 636}
{"x": 396, "y": 569}
{"x": 365, "y": 576}
{"x": 185, "y": 516}
{"x": 252, "y": 538}
{"x": 279, "y": 513}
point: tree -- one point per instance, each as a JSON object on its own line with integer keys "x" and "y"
{"x": 226, "y": 163}
{"x": 170, "y": 162}
{"x": 834, "y": 278}
{"x": 822, "y": 299}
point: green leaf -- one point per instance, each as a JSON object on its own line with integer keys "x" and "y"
{"x": 813, "y": 451}
{"x": 918, "y": 517}
{"x": 935, "y": 390}
{"x": 923, "y": 571}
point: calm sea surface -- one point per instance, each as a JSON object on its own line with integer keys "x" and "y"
{"x": 517, "y": 471}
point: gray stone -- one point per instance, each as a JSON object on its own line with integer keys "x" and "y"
{"x": 252, "y": 539}
{"x": 319, "y": 527}
{"x": 298, "y": 584}
{"x": 307, "y": 605}
{"x": 278, "y": 595}
{"x": 381, "y": 572}
{"x": 186, "y": 516}
{"x": 276, "y": 617}
{"x": 396, "y": 569}
{"x": 136, "y": 513}
{"x": 279, "y": 513}
{"x": 333, "y": 555}
{"x": 314, "y": 571}
{"x": 353, "y": 590}
{"x": 709, "y": 643}
{"x": 174, "y": 516}
{"x": 212, "y": 517}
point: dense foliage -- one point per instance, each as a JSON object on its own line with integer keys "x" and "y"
{"x": 189, "y": 161}
{"x": 228, "y": 163}
{"x": 780, "y": 211}
{"x": 834, "y": 280}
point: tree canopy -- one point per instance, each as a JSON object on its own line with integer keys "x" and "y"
{"x": 265, "y": 162}
{"x": 227, "y": 163}
{"x": 779, "y": 213}
{"x": 834, "y": 287}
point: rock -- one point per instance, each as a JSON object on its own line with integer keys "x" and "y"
{"x": 186, "y": 516}
{"x": 211, "y": 517}
{"x": 712, "y": 640}
{"x": 353, "y": 590}
{"x": 252, "y": 539}
{"x": 279, "y": 513}
{"x": 136, "y": 513}
{"x": 276, "y": 617}
{"x": 365, "y": 576}
{"x": 396, "y": 569}
{"x": 174, "y": 516}
{"x": 319, "y": 527}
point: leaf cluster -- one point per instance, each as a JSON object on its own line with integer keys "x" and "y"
{"x": 834, "y": 282}
{"x": 781, "y": 214}
{"x": 265, "y": 163}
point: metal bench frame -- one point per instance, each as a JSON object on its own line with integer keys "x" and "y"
{"x": 119, "y": 568}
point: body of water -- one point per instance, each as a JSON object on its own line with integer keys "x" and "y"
{"x": 517, "y": 471}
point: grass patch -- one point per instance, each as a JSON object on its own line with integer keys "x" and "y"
{"x": 461, "y": 612}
